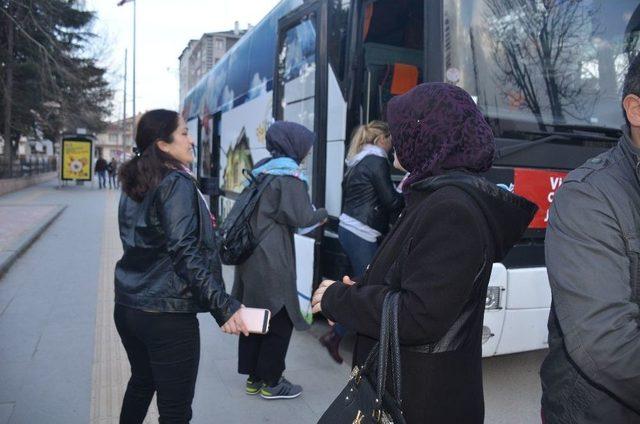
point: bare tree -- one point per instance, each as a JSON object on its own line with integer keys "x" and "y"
{"x": 540, "y": 48}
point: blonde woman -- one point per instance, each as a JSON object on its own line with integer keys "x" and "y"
{"x": 370, "y": 200}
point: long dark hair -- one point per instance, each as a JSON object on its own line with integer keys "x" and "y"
{"x": 150, "y": 164}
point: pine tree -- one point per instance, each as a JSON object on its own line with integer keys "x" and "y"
{"x": 43, "y": 62}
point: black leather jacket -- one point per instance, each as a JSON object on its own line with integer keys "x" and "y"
{"x": 369, "y": 195}
{"x": 170, "y": 261}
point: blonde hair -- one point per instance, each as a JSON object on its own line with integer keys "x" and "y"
{"x": 367, "y": 134}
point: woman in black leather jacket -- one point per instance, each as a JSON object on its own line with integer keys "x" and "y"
{"x": 370, "y": 200}
{"x": 170, "y": 270}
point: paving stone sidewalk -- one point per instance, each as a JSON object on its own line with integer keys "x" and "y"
{"x": 20, "y": 226}
{"x": 61, "y": 360}
{"x": 16, "y": 221}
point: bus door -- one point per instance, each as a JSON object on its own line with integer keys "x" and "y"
{"x": 300, "y": 95}
{"x": 391, "y": 49}
{"x": 205, "y": 133}
{"x": 389, "y": 71}
{"x": 193, "y": 127}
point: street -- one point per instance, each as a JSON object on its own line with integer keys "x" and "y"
{"x": 61, "y": 360}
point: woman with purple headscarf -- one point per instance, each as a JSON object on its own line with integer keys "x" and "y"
{"x": 439, "y": 255}
{"x": 267, "y": 279}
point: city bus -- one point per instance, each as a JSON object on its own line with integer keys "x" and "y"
{"x": 547, "y": 75}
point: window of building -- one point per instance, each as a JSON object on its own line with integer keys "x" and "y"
{"x": 219, "y": 43}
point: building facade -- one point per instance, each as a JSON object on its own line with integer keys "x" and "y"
{"x": 116, "y": 141}
{"x": 201, "y": 55}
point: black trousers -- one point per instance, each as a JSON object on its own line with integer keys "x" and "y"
{"x": 164, "y": 353}
{"x": 263, "y": 356}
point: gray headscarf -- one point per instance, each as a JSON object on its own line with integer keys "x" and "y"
{"x": 289, "y": 139}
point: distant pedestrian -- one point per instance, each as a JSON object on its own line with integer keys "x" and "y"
{"x": 369, "y": 202}
{"x": 170, "y": 270}
{"x": 438, "y": 256}
{"x": 268, "y": 277}
{"x": 101, "y": 170}
{"x": 592, "y": 371}
{"x": 112, "y": 169}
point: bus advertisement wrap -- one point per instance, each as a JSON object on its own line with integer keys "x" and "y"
{"x": 540, "y": 187}
{"x": 242, "y": 141}
{"x": 333, "y": 66}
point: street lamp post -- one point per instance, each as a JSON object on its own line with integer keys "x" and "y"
{"x": 124, "y": 108}
{"x": 134, "y": 64}
{"x": 133, "y": 120}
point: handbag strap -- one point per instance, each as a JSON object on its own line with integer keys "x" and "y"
{"x": 394, "y": 340}
{"x": 394, "y": 335}
{"x": 383, "y": 351}
{"x": 388, "y": 341}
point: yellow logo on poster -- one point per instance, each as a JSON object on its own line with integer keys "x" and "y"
{"x": 76, "y": 160}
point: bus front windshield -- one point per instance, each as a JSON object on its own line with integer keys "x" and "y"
{"x": 542, "y": 62}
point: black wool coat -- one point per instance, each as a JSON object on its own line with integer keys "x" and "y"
{"x": 441, "y": 252}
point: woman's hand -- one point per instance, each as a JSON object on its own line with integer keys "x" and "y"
{"x": 235, "y": 325}
{"x": 347, "y": 280}
{"x": 317, "y": 296}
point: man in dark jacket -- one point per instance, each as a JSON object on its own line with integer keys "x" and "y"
{"x": 112, "y": 169}
{"x": 592, "y": 372}
{"x": 101, "y": 169}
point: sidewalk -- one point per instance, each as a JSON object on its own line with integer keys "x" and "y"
{"x": 47, "y": 310}
{"x": 61, "y": 360}
{"x": 20, "y": 226}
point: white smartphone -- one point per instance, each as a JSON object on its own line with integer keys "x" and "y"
{"x": 256, "y": 319}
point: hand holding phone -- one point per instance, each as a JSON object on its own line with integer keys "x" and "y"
{"x": 235, "y": 325}
{"x": 256, "y": 319}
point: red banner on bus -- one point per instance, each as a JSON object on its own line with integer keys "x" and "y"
{"x": 540, "y": 187}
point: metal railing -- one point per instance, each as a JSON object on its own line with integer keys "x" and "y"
{"x": 21, "y": 168}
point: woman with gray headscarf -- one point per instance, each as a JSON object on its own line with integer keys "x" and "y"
{"x": 267, "y": 279}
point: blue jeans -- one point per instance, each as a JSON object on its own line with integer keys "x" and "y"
{"x": 102, "y": 179}
{"x": 360, "y": 253}
{"x": 113, "y": 178}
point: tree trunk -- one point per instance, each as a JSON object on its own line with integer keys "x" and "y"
{"x": 8, "y": 96}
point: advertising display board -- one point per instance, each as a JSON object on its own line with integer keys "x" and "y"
{"x": 77, "y": 159}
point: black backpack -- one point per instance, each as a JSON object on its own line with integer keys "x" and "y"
{"x": 237, "y": 240}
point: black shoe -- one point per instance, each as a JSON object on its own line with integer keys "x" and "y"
{"x": 332, "y": 341}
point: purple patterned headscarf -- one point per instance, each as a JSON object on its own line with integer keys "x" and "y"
{"x": 437, "y": 126}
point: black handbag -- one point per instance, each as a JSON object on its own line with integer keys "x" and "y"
{"x": 365, "y": 399}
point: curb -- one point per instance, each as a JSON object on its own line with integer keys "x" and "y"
{"x": 26, "y": 241}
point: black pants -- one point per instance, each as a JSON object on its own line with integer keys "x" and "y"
{"x": 164, "y": 353}
{"x": 262, "y": 356}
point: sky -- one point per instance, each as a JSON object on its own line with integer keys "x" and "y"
{"x": 164, "y": 28}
